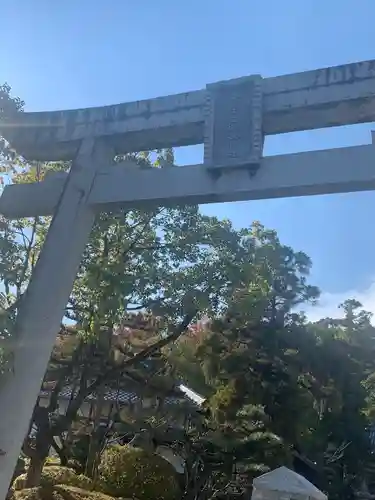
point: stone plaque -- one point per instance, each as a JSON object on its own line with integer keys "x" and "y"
{"x": 233, "y": 123}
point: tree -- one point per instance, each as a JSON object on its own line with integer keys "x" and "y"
{"x": 318, "y": 376}
{"x": 14, "y": 244}
{"x": 344, "y": 365}
{"x": 173, "y": 262}
{"x": 260, "y": 365}
{"x": 245, "y": 360}
{"x": 127, "y": 471}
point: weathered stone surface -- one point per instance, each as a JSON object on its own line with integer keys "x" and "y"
{"x": 315, "y": 99}
{"x": 233, "y": 123}
{"x": 326, "y": 97}
{"x": 301, "y": 174}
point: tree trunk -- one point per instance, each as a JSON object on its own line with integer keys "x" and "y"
{"x": 94, "y": 447}
{"x": 105, "y": 342}
{"x": 34, "y": 471}
{"x": 43, "y": 440}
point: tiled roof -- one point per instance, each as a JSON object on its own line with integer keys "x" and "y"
{"x": 122, "y": 396}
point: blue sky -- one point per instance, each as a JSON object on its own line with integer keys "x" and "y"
{"x": 87, "y": 53}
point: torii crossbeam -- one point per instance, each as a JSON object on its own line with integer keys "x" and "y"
{"x": 230, "y": 119}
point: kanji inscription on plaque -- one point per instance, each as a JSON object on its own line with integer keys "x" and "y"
{"x": 233, "y": 123}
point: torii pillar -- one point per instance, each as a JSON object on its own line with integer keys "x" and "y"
{"x": 230, "y": 118}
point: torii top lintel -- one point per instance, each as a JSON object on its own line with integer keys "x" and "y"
{"x": 333, "y": 96}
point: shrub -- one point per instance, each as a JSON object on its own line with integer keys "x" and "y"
{"x": 52, "y": 461}
{"x": 53, "y": 475}
{"x": 126, "y": 471}
{"x": 58, "y": 492}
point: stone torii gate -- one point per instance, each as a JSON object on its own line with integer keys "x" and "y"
{"x": 230, "y": 118}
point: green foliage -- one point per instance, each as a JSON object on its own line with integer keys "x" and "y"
{"x": 53, "y": 475}
{"x": 312, "y": 382}
{"x": 9, "y": 106}
{"x": 132, "y": 472}
{"x": 58, "y": 492}
{"x": 275, "y": 384}
{"x": 152, "y": 259}
{"x": 14, "y": 243}
{"x": 241, "y": 438}
{"x": 167, "y": 261}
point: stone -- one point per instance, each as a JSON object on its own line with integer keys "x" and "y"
{"x": 233, "y": 123}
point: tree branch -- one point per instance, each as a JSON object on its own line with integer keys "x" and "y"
{"x": 62, "y": 362}
{"x": 59, "y": 451}
{"x": 146, "y": 306}
{"x": 140, "y": 233}
{"x": 146, "y": 353}
{"x": 54, "y": 397}
{"x": 114, "y": 372}
{"x": 28, "y": 250}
